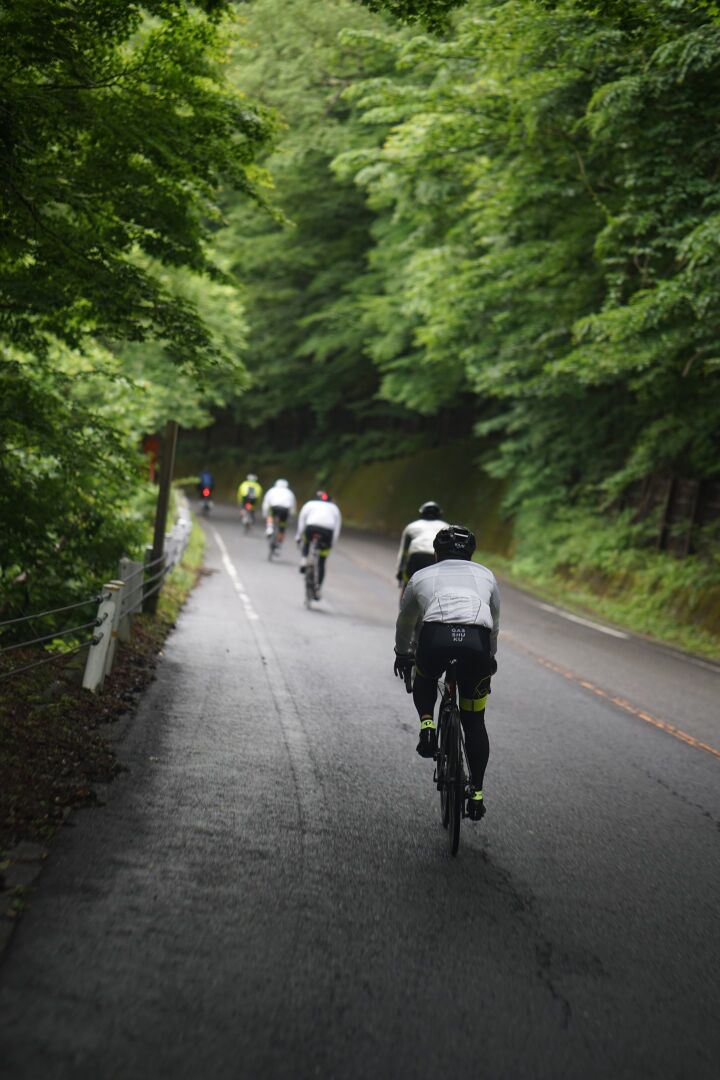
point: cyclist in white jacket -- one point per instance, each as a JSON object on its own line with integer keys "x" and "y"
{"x": 451, "y": 611}
{"x": 278, "y": 505}
{"x": 319, "y": 516}
{"x": 416, "y": 543}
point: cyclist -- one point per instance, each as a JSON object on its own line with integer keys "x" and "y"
{"x": 206, "y": 483}
{"x": 451, "y": 611}
{"x": 319, "y": 515}
{"x": 278, "y": 504}
{"x": 248, "y": 494}
{"x": 416, "y": 544}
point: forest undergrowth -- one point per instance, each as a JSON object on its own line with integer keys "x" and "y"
{"x": 54, "y": 745}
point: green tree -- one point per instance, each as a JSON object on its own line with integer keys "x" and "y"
{"x": 548, "y": 233}
{"x": 313, "y": 385}
{"x": 117, "y": 132}
{"x": 119, "y": 137}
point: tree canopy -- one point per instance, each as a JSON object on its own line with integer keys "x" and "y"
{"x": 538, "y": 230}
{"x": 361, "y": 225}
{"x": 119, "y": 136}
{"x": 117, "y": 131}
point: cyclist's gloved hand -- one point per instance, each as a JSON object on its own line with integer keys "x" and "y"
{"x": 403, "y": 665}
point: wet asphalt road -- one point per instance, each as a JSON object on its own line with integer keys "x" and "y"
{"x": 269, "y": 893}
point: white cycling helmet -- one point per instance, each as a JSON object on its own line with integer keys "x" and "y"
{"x": 281, "y": 483}
{"x": 251, "y": 476}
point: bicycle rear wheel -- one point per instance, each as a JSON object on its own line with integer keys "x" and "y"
{"x": 455, "y": 780}
{"x": 311, "y": 574}
{"x": 272, "y": 544}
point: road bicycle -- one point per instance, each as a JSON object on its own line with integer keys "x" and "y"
{"x": 451, "y": 769}
{"x": 312, "y": 570}
{"x": 206, "y": 503}
{"x": 247, "y": 516}
{"x": 272, "y": 539}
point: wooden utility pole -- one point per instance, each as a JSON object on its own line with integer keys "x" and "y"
{"x": 167, "y": 466}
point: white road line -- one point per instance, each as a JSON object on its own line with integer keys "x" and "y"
{"x": 235, "y": 577}
{"x": 583, "y": 622}
{"x": 693, "y": 660}
{"x": 677, "y": 653}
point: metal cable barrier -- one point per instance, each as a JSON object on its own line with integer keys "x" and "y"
{"x": 51, "y": 659}
{"x": 117, "y": 603}
{"x": 162, "y": 575}
{"x": 48, "y": 637}
{"x": 53, "y": 611}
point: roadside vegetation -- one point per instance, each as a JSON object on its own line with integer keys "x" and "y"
{"x": 53, "y": 734}
{"x": 349, "y": 232}
{"x": 506, "y": 228}
{"x": 119, "y": 135}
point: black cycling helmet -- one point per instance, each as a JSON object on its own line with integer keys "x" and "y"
{"x": 455, "y": 542}
{"x": 323, "y": 496}
{"x": 430, "y": 510}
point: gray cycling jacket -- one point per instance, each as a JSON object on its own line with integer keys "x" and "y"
{"x": 451, "y": 591}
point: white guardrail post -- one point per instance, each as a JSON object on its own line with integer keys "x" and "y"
{"x": 97, "y": 653}
{"x": 129, "y": 572}
{"x": 151, "y": 572}
{"x": 117, "y": 614}
{"x": 126, "y": 597}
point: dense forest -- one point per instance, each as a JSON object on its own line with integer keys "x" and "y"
{"x": 360, "y": 229}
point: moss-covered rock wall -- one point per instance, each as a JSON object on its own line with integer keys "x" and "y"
{"x": 382, "y": 496}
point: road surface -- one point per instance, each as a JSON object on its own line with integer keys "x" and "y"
{"x": 269, "y": 892}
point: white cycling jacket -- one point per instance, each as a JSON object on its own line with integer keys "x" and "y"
{"x": 418, "y": 538}
{"x": 325, "y": 515}
{"x": 451, "y": 591}
{"x": 278, "y": 496}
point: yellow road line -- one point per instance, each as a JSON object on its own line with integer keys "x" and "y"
{"x": 621, "y": 703}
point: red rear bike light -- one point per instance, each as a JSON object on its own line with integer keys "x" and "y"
{"x": 206, "y": 492}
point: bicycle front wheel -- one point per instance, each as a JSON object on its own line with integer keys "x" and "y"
{"x": 442, "y": 769}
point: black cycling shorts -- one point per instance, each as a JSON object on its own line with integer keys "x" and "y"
{"x": 324, "y": 535}
{"x": 440, "y": 643}
{"x": 418, "y": 561}
{"x": 280, "y": 513}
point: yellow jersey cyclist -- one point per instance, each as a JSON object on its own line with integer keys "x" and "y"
{"x": 249, "y": 493}
{"x": 451, "y": 611}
